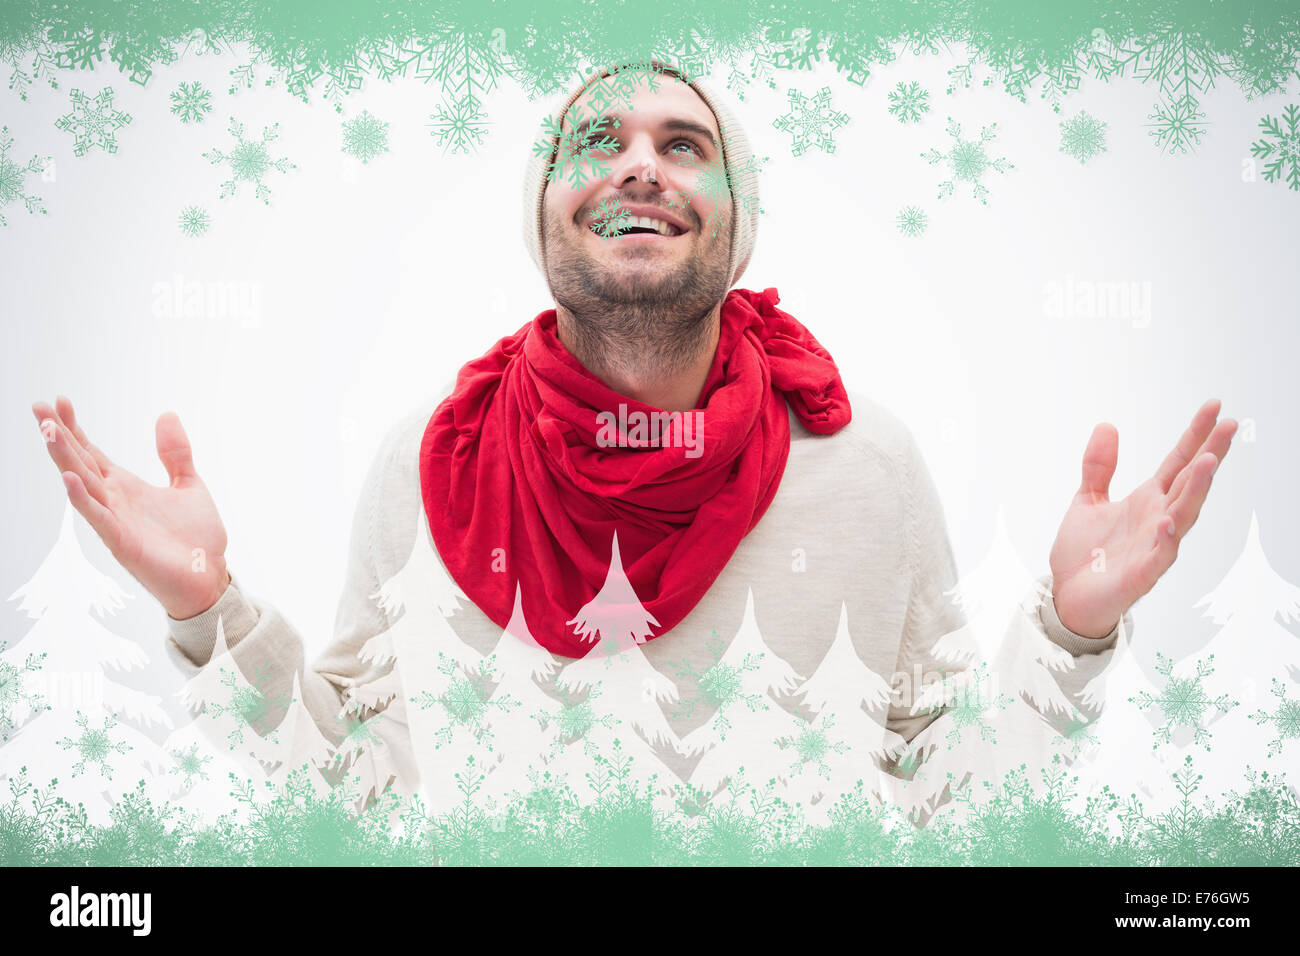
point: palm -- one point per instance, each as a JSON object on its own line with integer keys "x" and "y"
{"x": 1108, "y": 554}
{"x": 169, "y": 538}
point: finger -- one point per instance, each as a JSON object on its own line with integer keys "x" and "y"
{"x": 1217, "y": 444}
{"x": 174, "y": 448}
{"x": 64, "y": 406}
{"x": 59, "y": 443}
{"x": 1099, "y": 460}
{"x": 1185, "y": 450}
{"x": 100, "y": 518}
{"x": 1158, "y": 558}
{"x": 46, "y": 414}
{"x": 1187, "y": 506}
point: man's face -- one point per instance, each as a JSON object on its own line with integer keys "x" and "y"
{"x": 666, "y": 165}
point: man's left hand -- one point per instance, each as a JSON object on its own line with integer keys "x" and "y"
{"x": 1107, "y": 554}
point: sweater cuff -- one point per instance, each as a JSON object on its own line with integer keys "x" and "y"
{"x": 1062, "y": 636}
{"x": 197, "y": 636}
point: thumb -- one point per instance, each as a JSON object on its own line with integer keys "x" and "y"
{"x": 1099, "y": 462}
{"x": 174, "y": 448}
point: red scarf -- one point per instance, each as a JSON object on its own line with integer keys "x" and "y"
{"x": 520, "y": 483}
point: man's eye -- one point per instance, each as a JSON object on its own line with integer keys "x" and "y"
{"x": 687, "y": 142}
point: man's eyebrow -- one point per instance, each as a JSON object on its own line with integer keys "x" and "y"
{"x": 581, "y": 131}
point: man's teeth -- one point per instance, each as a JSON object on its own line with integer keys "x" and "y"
{"x": 658, "y": 225}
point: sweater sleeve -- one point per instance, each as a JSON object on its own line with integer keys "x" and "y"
{"x": 968, "y": 717}
{"x": 268, "y": 651}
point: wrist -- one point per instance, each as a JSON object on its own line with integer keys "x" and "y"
{"x": 189, "y": 609}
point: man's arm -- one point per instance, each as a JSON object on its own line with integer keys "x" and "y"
{"x": 979, "y": 719}
{"x": 268, "y": 650}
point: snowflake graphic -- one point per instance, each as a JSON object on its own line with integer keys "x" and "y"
{"x": 467, "y": 700}
{"x": 812, "y": 744}
{"x": 249, "y": 161}
{"x": 249, "y": 704}
{"x": 714, "y": 186}
{"x": 1286, "y": 719}
{"x": 967, "y": 704}
{"x": 194, "y": 221}
{"x": 16, "y": 694}
{"x": 720, "y": 687}
{"x": 577, "y": 149}
{"x": 1083, "y": 137}
{"x": 189, "y": 764}
{"x": 358, "y": 734}
{"x": 575, "y": 720}
{"x": 912, "y": 221}
{"x": 609, "y": 218}
{"x": 1182, "y": 700}
{"x": 811, "y": 121}
{"x": 93, "y": 122}
{"x": 909, "y": 102}
{"x": 365, "y": 137}
{"x": 1177, "y": 126}
{"x": 1281, "y": 147}
{"x": 94, "y": 746}
{"x": 12, "y": 174}
{"x": 459, "y": 125}
{"x": 191, "y": 102}
{"x": 967, "y": 160}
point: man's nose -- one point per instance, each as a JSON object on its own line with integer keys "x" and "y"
{"x": 638, "y": 161}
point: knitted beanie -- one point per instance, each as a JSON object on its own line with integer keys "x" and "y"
{"x": 742, "y": 176}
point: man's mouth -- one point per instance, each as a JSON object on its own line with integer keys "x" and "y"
{"x": 639, "y": 226}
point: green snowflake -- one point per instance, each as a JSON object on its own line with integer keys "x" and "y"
{"x": 93, "y": 122}
{"x": 15, "y": 691}
{"x": 467, "y": 700}
{"x": 575, "y": 720}
{"x": 720, "y": 686}
{"x": 189, "y": 764}
{"x": 1281, "y": 147}
{"x": 609, "y": 218}
{"x": 912, "y": 221}
{"x": 460, "y": 125}
{"x": 812, "y": 744}
{"x": 1286, "y": 719}
{"x": 578, "y": 150}
{"x": 908, "y": 102}
{"x": 1178, "y": 126}
{"x": 713, "y": 184}
{"x": 249, "y": 704}
{"x": 1083, "y": 137}
{"x": 358, "y": 734}
{"x": 249, "y": 161}
{"x": 967, "y": 704}
{"x": 811, "y": 121}
{"x": 1182, "y": 701}
{"x": 94, "y": 746}
{"x": 194, "y": 221}
{"x": 968, "y": 161}
{"x": 191, "y": 102}
{"x": 365, "y": 137}
{"x": 12, "y": 175}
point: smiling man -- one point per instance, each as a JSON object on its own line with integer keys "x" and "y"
{"x": 771, "y": 606}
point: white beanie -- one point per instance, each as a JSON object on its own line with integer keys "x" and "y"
{"x": 742, "y": 175}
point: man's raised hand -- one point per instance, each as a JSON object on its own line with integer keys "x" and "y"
{"x": 171, "y": 538}
{"x": 1107, "y": 554}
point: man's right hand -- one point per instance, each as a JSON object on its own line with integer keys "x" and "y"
{"x": 170, "y": 539}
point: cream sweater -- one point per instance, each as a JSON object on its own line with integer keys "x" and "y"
{"x": 796, "y": 665}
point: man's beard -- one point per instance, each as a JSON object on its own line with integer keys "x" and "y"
{"x": 650, "y": 325}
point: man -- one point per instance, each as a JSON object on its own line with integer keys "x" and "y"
{"x": 776, "y": 554}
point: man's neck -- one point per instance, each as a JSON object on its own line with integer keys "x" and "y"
{"x": 638, "y": 372}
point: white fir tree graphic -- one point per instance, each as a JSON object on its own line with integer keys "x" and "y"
{"x": 1249, "y": 652}
{"x": 519, "y": 728}
{"x": 427, "y": 694}
{"x": 748, "y": 728}
{"x": 85, "y": 735}
{"x": 625, "y": 692}
{"x": 304, "y": 750}
{"x": 856, "y": 700}
{"x": 1116, "y": 751}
